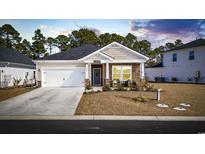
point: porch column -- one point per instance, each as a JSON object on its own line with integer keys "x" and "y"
{"x": 142, "y": 70}
{"x": 86, "y": 72}
{"x": 107, "y": 71}
{"x": 87, "y": 81}
{"x": 107, "y": 75}
{"x": 38, "y": 75}
{"x": 90, "y": 71}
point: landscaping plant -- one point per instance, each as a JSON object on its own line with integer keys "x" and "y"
{"x": 16, "y": 81}
{"x": 146, "y": 86}
{"x": 121, "y": 87}
{"x": 88, "y": 87}
{"x": 141, "y": 99}
{"x": 106, "y": 87}
{"x": 174, "y": 79}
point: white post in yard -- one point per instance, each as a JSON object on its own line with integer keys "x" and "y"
{"x": 142, "y": 70}
{"x": 158, "y": 94}
{"x": 86, "y": 71}
{"x": 107, "y": 71}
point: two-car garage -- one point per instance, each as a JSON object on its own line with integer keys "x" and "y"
{"x": 63, "y": 77}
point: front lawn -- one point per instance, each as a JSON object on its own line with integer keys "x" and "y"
{"x": 12, "y": 92}
{"x": 124, "y": 103}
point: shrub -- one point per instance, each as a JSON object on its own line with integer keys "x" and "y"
{"x": 156, "y": 79}
{"x": 131, "y": 84}
{"x": 146, "y": 86}
{"x": 115, "y": 82}
{"x": 137, "y": 87}
{"x": 106, "y": 87}
{"x": 197, "y": 76}
{"x": 189, "y": 79}
{"x": 174, "y": 79}
{"x": 141, "y": 99}
{"x": 88, "y": 87}
{"x": 159, "y": 79}
{"x": 121, "y": 87}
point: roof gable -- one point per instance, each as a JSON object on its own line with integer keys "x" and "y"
{"x": 118, "y": 52}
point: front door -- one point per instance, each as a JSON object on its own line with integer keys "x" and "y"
{"x": 97, "y": 76}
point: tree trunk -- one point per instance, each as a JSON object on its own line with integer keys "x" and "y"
{"x": 7, "y": 40}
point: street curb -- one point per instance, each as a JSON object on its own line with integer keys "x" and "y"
{"x": 46, "y": 117}
{"x": 152, "y": 118}
{"x": 107, "y": 117}
{"x": 181, "y": 118}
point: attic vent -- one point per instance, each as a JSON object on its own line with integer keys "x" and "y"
{"x": 97, "y": 62}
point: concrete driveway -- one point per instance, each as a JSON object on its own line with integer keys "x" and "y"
{"x": 43, "y": 101}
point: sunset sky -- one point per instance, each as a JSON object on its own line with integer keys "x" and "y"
{"x": 157, "y": 32}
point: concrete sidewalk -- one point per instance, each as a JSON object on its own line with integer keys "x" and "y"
{"x": 105, "y": 117}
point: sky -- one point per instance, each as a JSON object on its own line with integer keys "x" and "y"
{"x": 158, "y": 32}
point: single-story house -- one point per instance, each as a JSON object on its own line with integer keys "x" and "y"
{"x": 14, "y": 65}
{"x": 90, "y": 64}
{"x": 185, "y": 63}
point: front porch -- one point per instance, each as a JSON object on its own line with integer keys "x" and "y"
{"x": 113, "y": 62}
{"x": 98, "y": 74}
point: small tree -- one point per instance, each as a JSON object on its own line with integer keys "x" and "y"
{"x": 6, "y": 80}
{"x": 16, "y": 81}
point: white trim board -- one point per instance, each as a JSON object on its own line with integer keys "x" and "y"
{"x": 106, "y": 56}
{"x": 58, "y": 61}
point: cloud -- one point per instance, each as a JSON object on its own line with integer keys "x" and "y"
{"x": 161, "y": 31}
{"x": 55, "y": 30}
{"x": 97, "y": 31}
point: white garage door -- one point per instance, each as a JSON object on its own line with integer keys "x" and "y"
{"x": 63, "y": 77}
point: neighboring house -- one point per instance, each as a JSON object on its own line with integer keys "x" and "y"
{"x": 14, "y": 65}
{"x": 182, "y": 64}
{"x": 90, "y": 64}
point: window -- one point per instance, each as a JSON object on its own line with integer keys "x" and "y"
{"x": 121, "y": 73}
{"x": 174, "y": 57}
{"x": 191, "y": 55}
{"x": 126, "y": 72}
{"x": 116, "y": 72}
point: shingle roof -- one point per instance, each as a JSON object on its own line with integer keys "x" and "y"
{"x": 13, "y": 56}
{"x": 195, "y": 43}
{"x": 74, "y": 53}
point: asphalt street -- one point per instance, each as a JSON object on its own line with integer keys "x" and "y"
{"x": 101, "y": 127}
